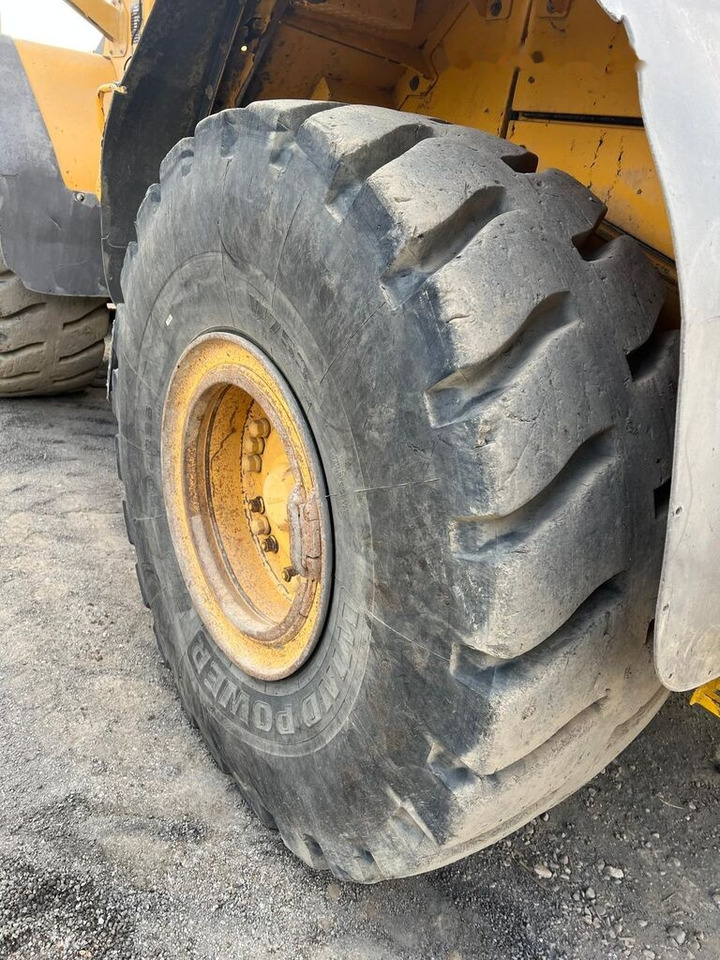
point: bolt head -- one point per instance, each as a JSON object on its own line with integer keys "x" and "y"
{"x": 254, "y": 445}
{"x": 288, "y": 574}
{"x": 259, "y": 428}
{"x": 252, "y": 463}
{"x": 270, "y": 545}
{"x": 260, "y": 526}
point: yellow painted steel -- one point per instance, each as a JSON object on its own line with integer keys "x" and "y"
{"x": 476, "y": 60}
{"x": 528, "y": 77}
{"x": 708, "y": 696}
{"x": 561, "y": 79}
{"x": 563, "y": 83}
{"x": 73, "y": 89}
{"x": 581, "y": 63}
{"x": 330, "y": 89}
{"x": 615, "y": 162}
{"x": 65, "y": 85}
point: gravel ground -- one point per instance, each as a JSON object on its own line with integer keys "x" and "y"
{"x": 119, "y": 838}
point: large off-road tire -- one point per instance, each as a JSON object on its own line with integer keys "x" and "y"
{"x": 493, "y": 411}
{"x": 48, "y": 344}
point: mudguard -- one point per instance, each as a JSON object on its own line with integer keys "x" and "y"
{"x": 678, "y": 45}
{"x": 49, "y": 235}
{"x": 169, "y": 86}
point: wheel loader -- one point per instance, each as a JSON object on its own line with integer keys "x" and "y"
{"x": 405, "y": 294}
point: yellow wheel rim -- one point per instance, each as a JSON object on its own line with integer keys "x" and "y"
{"x": 246, "y": 505}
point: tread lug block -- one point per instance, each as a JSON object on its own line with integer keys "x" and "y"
{"x": 305, "y": 847}
{"x": 261, "y": 223}
{"x": 469, "y": 295}
{"x": 128, "y": 524}
{"x": 286, "y": 115}
{"x": 148, "y": 209}
{"x": 654, "y": 387}
{"x": 149, "y": 586}
{"x": 513, "y": 155}
{"x": 74, "y": 365}
{"x": 48, "y": 344}
{"x": 352, "y": 143}
{"x": 654, "y": 391}
{"x": 424, "y": 230}
{"x": 484, "y": 401}
{"x": 159, "y": 645}
{"x": 623, "y": 275}
{"x": 525, "y": 608}
{"x": 16, "y": 298}
{"x": 251, "y": 798}
{"x": 278, "y": 122}
{"x": 454, "y": 773}
{"x": 112, "y": 390}
{"x": 125, "y": 282}
{"x": 219, "y": 130}
{"x": 118, "y": 456}
{"x": 569, "y": 207}
{"x": 574, "y": 658}
{"x": 521, "y": 162}
{"x": 28, "y": 359}
{"x": 180, "y": 159}
{"x": 85, "y": 332}
{"x": 509, "y": 406}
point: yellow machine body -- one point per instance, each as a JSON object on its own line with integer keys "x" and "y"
{"x": 65, "y": 84}
{"x": 563, "y": 83}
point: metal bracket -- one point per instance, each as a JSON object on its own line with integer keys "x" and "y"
{"x": 306, "y": 535}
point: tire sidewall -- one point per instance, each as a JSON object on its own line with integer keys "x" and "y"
{"x": 299, "y": 715}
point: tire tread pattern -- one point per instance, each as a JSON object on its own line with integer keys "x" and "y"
{"x": 450, "y": 208}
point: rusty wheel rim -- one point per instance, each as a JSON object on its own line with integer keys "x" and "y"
{"x": 246, "y": 503}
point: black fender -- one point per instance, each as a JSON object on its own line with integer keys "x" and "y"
{"x": 169, "y": 85}
{"x": 49, "y": 235}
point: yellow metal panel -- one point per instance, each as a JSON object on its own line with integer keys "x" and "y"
{"x": 330, "y": 89}
{"x": 382, "y": 14}
{"x": 615, "y": 162}
{"x": 65, "y": 84}
{"x": 494, "y": 66}
{"x": 476, "y": 61}
{"x": 299, "y": 60}
{"x": 581, "y": 63}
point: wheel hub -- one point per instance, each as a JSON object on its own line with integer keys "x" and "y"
{"x": 246, "y": 504}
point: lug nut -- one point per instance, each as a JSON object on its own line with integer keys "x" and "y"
{"x": 254, "y": 445}
{"x": 288, "y": 574}
{"x": 260, "y": 526}
{"x": 270, "y": 545}
{"x": 251, "y": 463}
{"x": 256, "y": 505}
{"x": 259, "y": 428}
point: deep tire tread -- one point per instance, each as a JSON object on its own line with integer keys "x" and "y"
{"x": 48, "y": 344}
